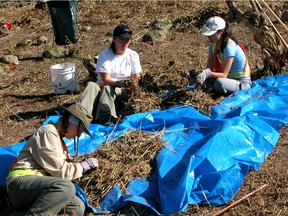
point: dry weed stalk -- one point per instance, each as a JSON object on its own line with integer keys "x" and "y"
{"x": 274, "y": 48}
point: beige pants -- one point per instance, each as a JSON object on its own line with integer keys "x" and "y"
{"x": 94, "y": 97}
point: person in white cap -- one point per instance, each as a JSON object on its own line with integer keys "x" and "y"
{"x": 116, "y": 67}
{"x": 227, "y": 69}
{"x": 39, "y": 180}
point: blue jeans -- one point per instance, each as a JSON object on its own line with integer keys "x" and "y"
{"x": 44, "y": 195}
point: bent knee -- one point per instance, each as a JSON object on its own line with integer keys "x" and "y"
{"x": 93, "y": 85}
{"x": 66, "y": 187}
{"x": 218, "y": 87}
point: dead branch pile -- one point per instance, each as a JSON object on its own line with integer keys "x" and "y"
{"x": 129, "y": 157}
{"x": 190, "y": 97}
{"x": 274, "y": 48}
{"x": 149, "y": 93}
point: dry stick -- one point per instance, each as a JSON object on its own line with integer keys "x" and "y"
{"x": 70, "y": 99}
{"x": 275, "y": 15}
{"x": 203, "y": 192}
{"x": 279, "y": 212}
{"x": 136, "y": 37}
{"x": 240, "y": 200}
{"x": 108, "y": 188}
{"x": 5, "y": 37}
{"x": 89, "y": 180}
{"x": 277, "y": 32}
{"x": 108, "y": 138}
{"x": 135, "y": 211}
{"x": 14, "y": 112}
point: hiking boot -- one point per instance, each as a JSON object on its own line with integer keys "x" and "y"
{"x": 105, "y": 120}
{"x": 104, "y": 115}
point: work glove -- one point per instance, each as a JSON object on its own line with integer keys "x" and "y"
{"x": 123, "y": 83}
{"x": 89, "y": 163}
{"x": 206, "y": 73}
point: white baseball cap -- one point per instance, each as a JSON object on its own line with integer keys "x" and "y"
{"x": 212, "y": 25}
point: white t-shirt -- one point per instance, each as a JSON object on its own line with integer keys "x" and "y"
{"x": 120, "y": 67}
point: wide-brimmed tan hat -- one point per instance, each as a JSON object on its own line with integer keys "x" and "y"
{"x": 79, "y": 112}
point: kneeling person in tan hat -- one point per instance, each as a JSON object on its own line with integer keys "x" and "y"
{"x": 39, "y": 181}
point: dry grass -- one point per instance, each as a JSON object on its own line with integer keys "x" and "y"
{"x": 131, "y": 156}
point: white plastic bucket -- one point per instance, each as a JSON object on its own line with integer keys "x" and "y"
{"x": 64, "y": 78}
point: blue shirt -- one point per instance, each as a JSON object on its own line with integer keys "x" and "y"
{"x": 233, "y": 50}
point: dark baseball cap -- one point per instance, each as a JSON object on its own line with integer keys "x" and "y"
{"x": 122, "y": 31}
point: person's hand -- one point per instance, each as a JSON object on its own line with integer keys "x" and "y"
{"x": 89, "y": 163}
{"x": 206, "y": 73}
{"x": 193, "y": 76}
{"x": 123, "y": 83}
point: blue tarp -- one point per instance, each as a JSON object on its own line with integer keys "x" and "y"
{"x": 206, "y": 159}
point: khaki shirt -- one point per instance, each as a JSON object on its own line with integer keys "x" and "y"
{"x": 44, "y": 150}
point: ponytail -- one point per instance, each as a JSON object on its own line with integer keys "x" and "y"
{"x": 227, "y": 34}
{"x": 112, "y": 47}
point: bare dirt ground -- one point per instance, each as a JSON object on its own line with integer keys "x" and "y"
{"x": 27, "y": 97}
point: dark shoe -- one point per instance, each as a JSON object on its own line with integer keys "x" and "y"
{"x": 107, "y": 120}
{"x": 104, "y": 115}
{"x": 104, "y": 120}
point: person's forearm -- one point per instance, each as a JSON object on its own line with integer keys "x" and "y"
{"x": 218, "y": 74}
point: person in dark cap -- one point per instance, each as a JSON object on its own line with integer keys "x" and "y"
{"x": 117, "y": 66}
{"x": 39, "y": 181}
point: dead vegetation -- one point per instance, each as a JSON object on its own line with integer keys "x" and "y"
{"x": 131, "y": 156}
{"x": 266, "y": 33}
{"x": 27, "y": 97}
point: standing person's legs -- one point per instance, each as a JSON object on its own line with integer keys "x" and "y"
{"x": 89, "y": 96}
{"x": 43, "y": 195}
